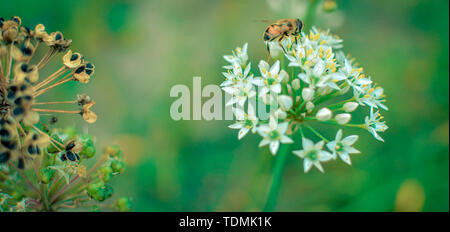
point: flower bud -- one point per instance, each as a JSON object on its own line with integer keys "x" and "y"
{"x": 283, "y": 76}
{"x": 343, "y": 118}
{"x": 117, "y": 166}
{"x": 307, "y": 94}
{"x": 88, "y": 146}
{"x": 113, "y": 151}
{"x": 106, "y": 173}
{"x": 350, "y": 106}
{"x": 309, "y": 107}
{"x": 280, "y": 114}
{"x": 285, "y": 102}
{"x": 124, "y": 204}
{"x": 296, "y": 84}
{"x": 324, "y": 114}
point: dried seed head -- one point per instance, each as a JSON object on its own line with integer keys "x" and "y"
{"x": 88, "y": 115}
{"x": 72, "y": 60}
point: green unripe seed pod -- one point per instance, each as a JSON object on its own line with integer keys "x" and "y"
{"x": 88, "y": 151}
{"x": 117, "y": 166}
{"x": 113, "y": 151}
{"x": 124, "y": 204}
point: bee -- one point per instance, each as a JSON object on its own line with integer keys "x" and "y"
{"x": 281, "y": 29}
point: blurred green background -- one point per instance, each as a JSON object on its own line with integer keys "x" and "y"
{"x": 142, "y": 48}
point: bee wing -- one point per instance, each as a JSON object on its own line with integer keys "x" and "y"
{"x": 263, "y": 20}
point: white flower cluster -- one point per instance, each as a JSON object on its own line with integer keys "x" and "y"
{"x": 311, "y": 81}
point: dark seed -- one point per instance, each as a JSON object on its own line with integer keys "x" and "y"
{"x": 71, "y": 156}
{"x": 21, "y": 163}
{"x": 4, "y": 157}
{"x": 18, "y": 111}
{"x": 18, "y": 101}
{"x": 74, "y": 57}
{"x": 31, "y": 150}
{"x": 4, "y": 132}
{"x": 79, "y": 70}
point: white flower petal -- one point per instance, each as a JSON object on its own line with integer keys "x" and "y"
{"x": 286, "y": 139}
{"x": 243, "y": 132}
{"x": 274, "y": 145}
{"x": 264, "y": 142}
{"x": 345, "y": 157}
{"x": 318, "y": 166}
{"x": 350, "y": 140}
{"x": 235, "y": 126}
{"x": 307, "y": 144}
{"x": 307, "y": 164}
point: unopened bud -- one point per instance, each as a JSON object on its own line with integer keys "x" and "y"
{"x": 350, "y": 106}
{"x": 343, "y": 118}
{"x": 280, "y": 114}
{"x": 285, "y": 102}
{"x": 324, "y": 114}
{"x": 296, "y": 84}
{"x": 307, "y": 94}
{"x": 309, "y": 107}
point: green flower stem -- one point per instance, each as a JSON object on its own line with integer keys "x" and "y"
{"x": 44, "y": 199}
{"x": 333, "y": 122}
{"x": 63, "y": 189}
{"x": 4, "y": 176}
{"x": 25, "y": 178}
{"x": 311, "y": 13}
{"x": 276, "y": 180}
{"x": 300, "y": 107}
{"x": 339, "y": 104}
{"x": 317, "y": 133}
{"x": 301, "y": 131}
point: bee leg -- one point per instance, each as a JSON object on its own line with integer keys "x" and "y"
{"x": 279, "y": 43}
{"x": 268, "y": 51}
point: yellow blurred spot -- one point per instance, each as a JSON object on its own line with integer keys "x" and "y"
{"x": 132, "y": 147}
{"x": 410, "y": 196}
{"x": 316, "y": 36}
{"x": 441, "y": 133}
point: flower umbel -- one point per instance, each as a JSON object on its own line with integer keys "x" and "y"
{"x": 311, "y": 82}
{"x": 47, "y": 161}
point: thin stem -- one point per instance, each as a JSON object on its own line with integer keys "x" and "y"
{"x": 276, "y": 179}
{"x": 52, "y": 140}
{"x": 317, "y": 133}
{"x": 333, "y": 122}
{"x": 25, "y": 178}
{"x": 44, "y": 199}
{"x": 52, "y": 86}
{"x": 63, "y": 189}
{"x": 52, "y": 103}
{"x": 57, "y": 111}
{"x": 49, "y": 52}
{"x": 8, "y": 72}
{"x": 50, "y": 78}
{"x": 301, "y": 131}
{"x": 34, "y": 51}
